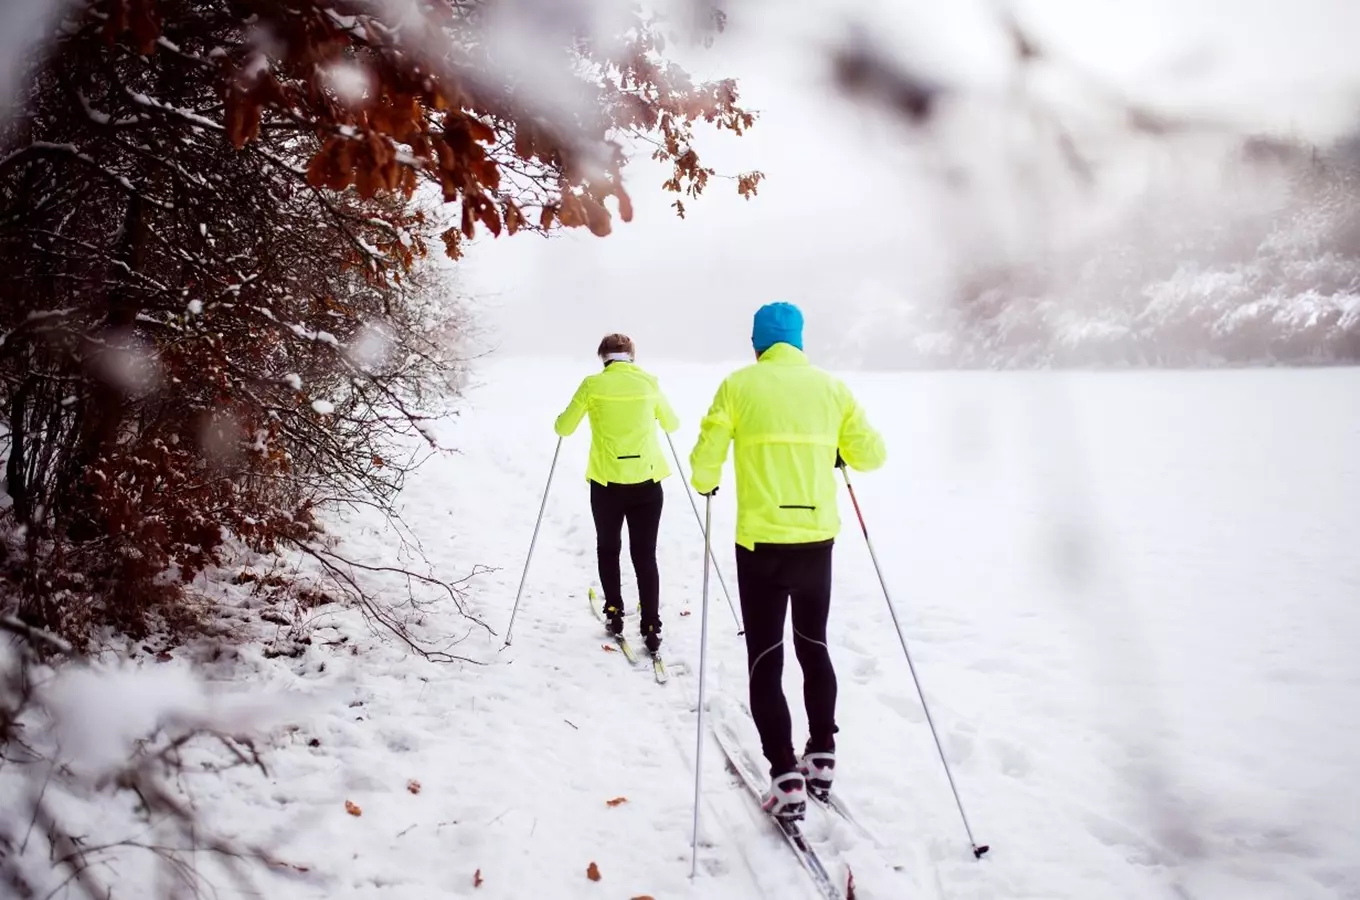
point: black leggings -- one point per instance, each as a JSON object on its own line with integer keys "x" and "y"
{"x": 640, "y": 506}
{"x": 770, "y": 579}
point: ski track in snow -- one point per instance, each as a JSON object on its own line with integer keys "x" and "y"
{"x": 1130, "y": 599}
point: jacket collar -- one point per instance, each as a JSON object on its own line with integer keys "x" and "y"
{"x": 784, "y": 354}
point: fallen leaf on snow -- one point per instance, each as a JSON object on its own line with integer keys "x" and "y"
{"x": 684, "y": 612}
{"x": 610, "y": 648}
{"x": 593, "y": 872}
{"x": 477, "y": 878}
{"x": 353, "y": 808}
{"x": 616, "y": 801}
{"x": 643, "y": 897}
{"x": 413, "y": 786}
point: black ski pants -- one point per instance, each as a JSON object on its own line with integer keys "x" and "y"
{"x": 771, "y": 579}
{"x": 640, "y": 506}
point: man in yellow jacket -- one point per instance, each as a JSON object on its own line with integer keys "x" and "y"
{"x": 791, "y": 425}
{"x": 625, "y": 472}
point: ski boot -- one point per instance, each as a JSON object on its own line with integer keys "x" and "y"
{"x": 819, "y": 769}
{"x": 787, "y": 798}
{"x": 613, "y": 620}
{"x": 651, "y": 637}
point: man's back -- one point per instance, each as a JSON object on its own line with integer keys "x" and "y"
{"x": 787, "y": 419}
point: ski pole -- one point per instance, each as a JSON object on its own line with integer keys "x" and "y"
{"x": 533, "y": 540}
{"x": 689, "y": 492}
{"x": 977, "y": 850}
{"x": 703, "y": 660}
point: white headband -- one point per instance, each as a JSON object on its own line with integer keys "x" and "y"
{"x": 617, "y": 357}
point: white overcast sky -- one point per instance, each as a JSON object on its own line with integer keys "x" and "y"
{"x": 849, "y": 216}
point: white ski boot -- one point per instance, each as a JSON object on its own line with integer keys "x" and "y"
{"x": 819, "y": 770}
{"x": 787, "y": 798}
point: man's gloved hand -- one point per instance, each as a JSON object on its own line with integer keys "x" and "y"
{"x": 840, "y": 463}
{"x": 709, "y": 493}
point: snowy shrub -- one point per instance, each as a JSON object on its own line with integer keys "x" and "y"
{"x": 224, "y": 313}
{"x": 96, "y": 767}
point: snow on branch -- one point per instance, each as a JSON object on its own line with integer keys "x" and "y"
{"x": 77, "y": 735}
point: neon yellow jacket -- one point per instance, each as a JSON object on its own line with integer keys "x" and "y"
{"x": 624, "y": 404}
{"x": 787, "y": 419}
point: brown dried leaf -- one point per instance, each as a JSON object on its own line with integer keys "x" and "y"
{"x": 514, "y": 219}
{"x": 235, "y": 119}
{"x": 489, "y": 217}
{"x": 609, "y": 648}
{"x": 598, "y": 219}
{"x": 524, "y": 142}
{"x": 366, "y": 182}
{"x": 616, "y": 801}
{"x": 593, "y": 872}
{"x": 489, "y": 174}
{"x": 480, "y": 131}
{"x": 625, "y": 204}
{"x": 146, "y": 26}
{"x": 353, "y": 808}
{"x": 453, "y": 243}
{"x": 643, "y": 897}
{"x": 413, "y": 786}
{"x": 318, "y": 169}
{"x": 569, "y": 213}
{"x": 477, "y": 878}
{"x": 469, "y": 219}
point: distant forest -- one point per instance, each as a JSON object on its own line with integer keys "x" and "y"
{"x": 1271, "y": 278}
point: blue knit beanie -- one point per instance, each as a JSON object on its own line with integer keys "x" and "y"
{"x": 777, "y": 323}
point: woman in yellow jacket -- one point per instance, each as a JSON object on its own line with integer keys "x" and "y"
{"x": 625, "y": 472}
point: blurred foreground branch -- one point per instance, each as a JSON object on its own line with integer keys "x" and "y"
{"x": 45, "y": 848}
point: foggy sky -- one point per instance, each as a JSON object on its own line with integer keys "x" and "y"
{"x": 853, "y": 214}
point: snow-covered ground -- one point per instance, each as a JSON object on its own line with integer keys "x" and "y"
{"x": 1132, "y": 600}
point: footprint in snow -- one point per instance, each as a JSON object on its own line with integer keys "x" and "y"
{"x": 865, "y": 668}
{"x": 553, "y": 626}
{"x": 907, "y": 707}
{"x": 400, "y": 740}
{"x": 1140, "y": 850}
{"x": 1013, "y": 759}
{"x": 365, "y": 778}
{"x": 958, "y": 746}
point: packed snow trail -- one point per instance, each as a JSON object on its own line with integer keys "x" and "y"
{"x": 1062, "y": 547}
{"x": 1130, "y": 598}
{"x": 637, "y": 727}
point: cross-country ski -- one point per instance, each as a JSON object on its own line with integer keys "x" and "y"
{"x": 829, "y": 886}
{"x": 617, "y": 636}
